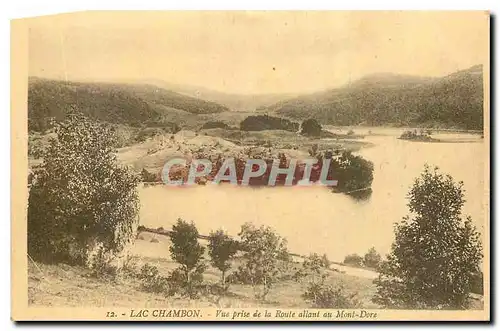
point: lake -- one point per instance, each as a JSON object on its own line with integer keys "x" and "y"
{"x": 313, "y": 219}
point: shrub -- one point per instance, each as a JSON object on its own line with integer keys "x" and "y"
{"x": 82, "y": 198}
{"x": 323, "y": 296}
{"x": 353, "y": 260}
{"x": 152, "y": 281}
{"x": 148, "y": 177}
{"x": 326, "y": 263}
{"x": 147, "y": 133}
{"x": 129, "y": 266}
{"x": 215, "y": 125}
{"x": 436, "y": 254}
{"x": 101, "y": 264}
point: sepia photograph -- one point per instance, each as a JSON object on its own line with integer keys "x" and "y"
{"x": 251, "y": 166}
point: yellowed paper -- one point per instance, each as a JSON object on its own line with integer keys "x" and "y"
{"x": 391, "y": 92}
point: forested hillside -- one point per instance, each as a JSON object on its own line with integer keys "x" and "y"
{"x": 116, "y": 103}
{"x": 453, "y": 101}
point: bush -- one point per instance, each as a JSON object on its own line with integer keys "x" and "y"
{"x": 148, "y": 177}
{"x": 129, "y": 266}
{"x": 323, "y": 296}
{"x": 100, "y": 264}
{"x": 152, "y": 281}
{"x": 215, "y": 125}
{"x": 311, "y": 127}
{"x": 436, "y": 255}
{"x": 353, "y": 260}
{"x": 81, "y": 198}
{"x": 147, "y": 133}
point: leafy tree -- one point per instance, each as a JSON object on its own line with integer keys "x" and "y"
{"x": 372, "y": 258}
{"x": 80, "y": 198}
{"x": 436, "y": 254}
{"x": 264, "y": 249}
{"x": 221, "y": 249}
{"x": 353, "y": 260}
{"x": 311, "y": 127}
{"x": 354, "y": 174}
{"x": 187, "y": 251}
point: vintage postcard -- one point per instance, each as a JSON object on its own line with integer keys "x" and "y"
{"x": 251, "y": 165}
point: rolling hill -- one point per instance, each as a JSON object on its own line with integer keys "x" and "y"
{"x": 235, "y": 102}
{"x": 453, "y": 101}
{"x": 115, "y": 103}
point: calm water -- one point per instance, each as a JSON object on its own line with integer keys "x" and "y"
{"x": 315, "y": 220}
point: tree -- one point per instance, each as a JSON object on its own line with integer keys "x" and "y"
{"x": 436, "y": 254}
{"x": 80, "y": 199}
{"x": 311, "y": 127}
{"x": 352, "y": 172}
{"x": 187, "y": 251}
{"x": 372, "y": 258}
{"x": 221, "y": 249}
{"x": 264, "y": 249}
{"x": 353, "y": 260}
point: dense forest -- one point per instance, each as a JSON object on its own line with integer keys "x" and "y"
{"x": 453, "y": 101}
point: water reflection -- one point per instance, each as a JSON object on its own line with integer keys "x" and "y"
{"x": 313, "y": 219}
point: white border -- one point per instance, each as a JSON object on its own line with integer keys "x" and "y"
{"x": 24, "y": 8}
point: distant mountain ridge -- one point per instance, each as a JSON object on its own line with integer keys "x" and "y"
{"x": 234, "y": 101}
{"x": 452, "y": 101}
{"x": 455, "y": 100}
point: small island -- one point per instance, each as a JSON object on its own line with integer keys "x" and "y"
{"x": 422, "y": 135}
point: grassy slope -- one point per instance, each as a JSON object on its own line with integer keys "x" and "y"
{"x": 63, "y": 285}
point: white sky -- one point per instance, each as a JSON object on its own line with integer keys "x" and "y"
{"x": 255, "y": 52}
